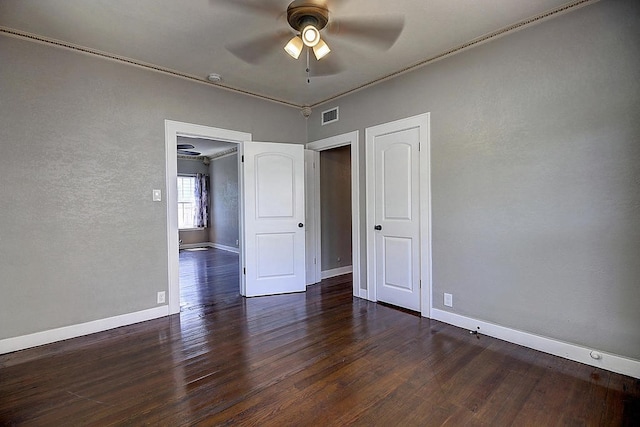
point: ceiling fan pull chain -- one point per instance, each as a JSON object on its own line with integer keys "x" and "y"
{"x": 308, "y": 78}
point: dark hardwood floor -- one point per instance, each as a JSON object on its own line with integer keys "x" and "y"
{"x": 317, "y": 358}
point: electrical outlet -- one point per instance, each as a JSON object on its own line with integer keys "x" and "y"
{"x": 237, "y": 242}
{"x": 448, "y": 300}
{"x": 161, "y": 297}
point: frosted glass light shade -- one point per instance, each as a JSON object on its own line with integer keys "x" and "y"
{"x": 294, "y": 47}
{"x": 310, "y": 35}
{"x": 321, "y": 50}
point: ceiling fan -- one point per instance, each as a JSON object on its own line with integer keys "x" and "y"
{"x": 185, "y": 150}
{"x": 310, "y": 24}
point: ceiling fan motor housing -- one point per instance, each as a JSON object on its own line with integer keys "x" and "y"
{"x": 301, "y": 13}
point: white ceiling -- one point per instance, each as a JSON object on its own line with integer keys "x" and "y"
{"x": 207, "y": 147}
{"x": 189, "y": 37}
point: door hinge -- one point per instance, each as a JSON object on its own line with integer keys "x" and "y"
{"x": 242, "y": 160}
{"x": 244, "y": 271}
{"x": 314, "y": 260}
{"x": 420, "y": 283}
{"x": 419, "y": 145}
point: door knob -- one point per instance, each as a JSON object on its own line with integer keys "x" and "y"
{"x": 300, "y": 225}
{"x": 377, "y": 227}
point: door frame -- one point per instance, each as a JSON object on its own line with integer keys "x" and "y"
{"x": 173, "y": 129}
{"x": 421, "y": 121}
{"x": 351, "y": 139}
{"x": 312, "y": 214}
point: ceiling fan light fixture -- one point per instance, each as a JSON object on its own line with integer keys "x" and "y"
{"x": 321, "y": 50}
{"x": 294, "y": 47}
{"x": 310, "y": 35}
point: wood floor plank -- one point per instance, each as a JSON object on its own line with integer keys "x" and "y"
{"x": 317, "y": 358}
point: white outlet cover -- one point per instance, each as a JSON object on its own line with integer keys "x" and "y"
{"x": 157, "y": 195}
{"x": 161, "y": 297}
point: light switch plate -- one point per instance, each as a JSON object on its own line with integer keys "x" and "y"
{"x": 448, "y": 300}
{"x": 157, "y": 195}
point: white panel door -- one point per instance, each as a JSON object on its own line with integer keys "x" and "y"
{"x": 396, "y": 228}
{"x": 274, "y": 218}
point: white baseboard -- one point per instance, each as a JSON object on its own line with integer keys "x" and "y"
{"x": 225, "y": 248}
{"x": 336, "y": 272}
{"x": 195, "y": 245}
{"x": 363, "y": 294}
{"x": 9, "y": 345}
{"x": 577, "y": 353}
{"x": 210, "y": 245}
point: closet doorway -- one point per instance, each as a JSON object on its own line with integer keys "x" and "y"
{"x": 318, "y": 267}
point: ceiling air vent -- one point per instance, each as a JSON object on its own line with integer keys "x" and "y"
{"x": 330, "y": 116}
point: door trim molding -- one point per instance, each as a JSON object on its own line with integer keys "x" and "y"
{"x": 352, "y": 139}
{"x": 421, "y": 121}
{"x": 173, "y": 129}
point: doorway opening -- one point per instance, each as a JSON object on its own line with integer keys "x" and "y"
{"x": 336, "y": 217}
{"x": 203, "y": 263}
{"x": 350, "y": 140}
{"x": 174, "y": 131}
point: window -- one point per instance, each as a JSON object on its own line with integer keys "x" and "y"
{"x": 186, "y": 201}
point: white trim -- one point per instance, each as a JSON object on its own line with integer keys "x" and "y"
{"x": 196, "y": 245}
{"x": 210, "y": 245}
{"x": 426, "y": 279}
{"x": 423, "y": 122}
{"x": 46, "y": 337}
{"x": 312, "y": 215}
{"x": 224, "y": 156}
{"x": 172, "y": 130}
{"x": 225, "y": 248}
{"x": 326, "y": 274}
{"x": 577, "y": 353}
{"x": 352, "y": 139}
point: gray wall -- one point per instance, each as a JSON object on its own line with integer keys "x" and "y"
{"x": 224, "y": 194}
{"x": 535, "y": 174}
{"x": 335, "y": 205}
{"x": 191, "y": 167}
{"x": 81, "y": 148}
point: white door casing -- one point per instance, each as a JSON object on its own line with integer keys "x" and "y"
{"x": 398, "y": 214}
{"x": 312, "y": 216}
{"x": 173, "y": 129}
{"x": 274, "y": 218}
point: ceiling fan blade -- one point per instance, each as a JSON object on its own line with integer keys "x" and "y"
{"x": 334, "y": 5}
{"x": 188, "y": 153}
{"x": 257, "y": 48}
{"x": 327, "y": 66}
{"x": 185, "y": 146}
{"x": 377, "y": 32}
{"x": 263, "y": 7}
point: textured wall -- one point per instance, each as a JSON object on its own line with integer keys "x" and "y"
{"x": 335, "y": 205}
{"x": 191, "y": 167}
{"x": 81, "y": 148}
{"x": 224, "y": 194}
{"x": 535, "y": 174}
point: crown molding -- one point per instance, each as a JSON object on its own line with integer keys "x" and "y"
{"x": 470, "y": 44}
